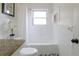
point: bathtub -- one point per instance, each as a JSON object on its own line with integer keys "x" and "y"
{"x": 45, "y": 48}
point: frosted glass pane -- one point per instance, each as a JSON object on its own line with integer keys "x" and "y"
{"x": 39, "y": 21}
{"x": 39, "y": 14}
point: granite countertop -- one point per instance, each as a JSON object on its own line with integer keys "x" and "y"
{"x": 8, "y": 46}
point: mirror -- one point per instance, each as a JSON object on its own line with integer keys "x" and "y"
{"x": 8, "y": 9}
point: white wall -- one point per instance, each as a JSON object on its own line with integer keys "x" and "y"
{"x": 67, "y": 28}
{"x": 75, "y": 47}
{"x": 40, "y": 33}
{"x": 21, "y": 20}
{"x": 4, "y": 25}
{"x": 63, "y": 38}
{"x": 62, "y": 35}
{"x": 26, "y": 29}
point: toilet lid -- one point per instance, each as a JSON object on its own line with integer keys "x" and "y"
{"x": 28, "y": 51}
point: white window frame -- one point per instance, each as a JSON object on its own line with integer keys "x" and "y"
{"x": 46, "y": 10}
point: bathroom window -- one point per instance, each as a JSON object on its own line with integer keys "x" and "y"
{"x": 39, "y": 17}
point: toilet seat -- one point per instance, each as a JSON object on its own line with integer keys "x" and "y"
{"x": 28, "y": 51}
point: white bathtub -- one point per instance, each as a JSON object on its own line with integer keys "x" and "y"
{"x": 45, "y": 48}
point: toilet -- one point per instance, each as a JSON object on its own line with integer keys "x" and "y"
{"x": 29, "y": 51}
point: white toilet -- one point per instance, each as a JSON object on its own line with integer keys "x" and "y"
{"x": 29, "y": 51}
